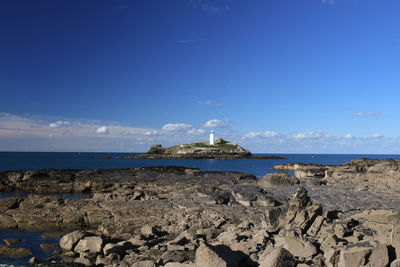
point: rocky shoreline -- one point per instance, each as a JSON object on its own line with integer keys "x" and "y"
{"x": 175, "y": 216}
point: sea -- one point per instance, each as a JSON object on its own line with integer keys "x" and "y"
{"x": 78, "y": 160}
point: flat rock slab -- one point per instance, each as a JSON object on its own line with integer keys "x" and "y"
{"x": 14, "y": 252}
{"x": 12, "y": 241}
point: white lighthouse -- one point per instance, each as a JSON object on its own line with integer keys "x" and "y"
{"x": 212, "y": 138}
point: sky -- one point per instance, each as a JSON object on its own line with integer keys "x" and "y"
{"x": 274, "y": 76}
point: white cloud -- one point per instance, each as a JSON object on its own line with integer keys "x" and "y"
{"x": 377, "y": 135}
{"x": 58, "y": 124}
{"x": 362, "y": 114}
{"x": 207, "y": 102}
{"x": 176, "y": 127}
{"x": 328, "y": 2}
{"x": 102, "y": 130}
{"x": 348, "y": 136}
{"x": 261, "y": 134}
{"x": 196, "y": 131}
{"x": 216, "y": 124}
{"x": 308, "y": 135}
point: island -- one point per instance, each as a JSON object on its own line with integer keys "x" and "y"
{"x": 221, "y": 149}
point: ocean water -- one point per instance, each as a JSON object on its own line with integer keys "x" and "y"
{"x": 259, "y": 167}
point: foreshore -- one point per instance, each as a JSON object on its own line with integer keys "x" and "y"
{"x": 175, "y": 216}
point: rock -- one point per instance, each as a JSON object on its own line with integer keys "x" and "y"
{"x": 395, "y": 237}
{"x": 379, "y": 256}
{"x": 274, "y": 217}
{"x": 314, "y": 229}
{"x": 14, "y": 252}
{"x": 68, "y": 241}
{"x": 222, "y": 197}
{"x": 330, "y": 242}
{"x": 33, "y": 260}
{"x": 178, "y": 264}
{"x": 7, "y": 222}
{"x": 113, "y": 248}
{"x": 298, "y": 246}
{"x": 83, "y": 261}
{"x": 360, "y": 255}
{"x": 395, "y": 263}
{"x": 209, "y": 256}
{"x": 280, "y": 178}
{"x": 331, "y": 257}
{"x": 145, "y": 263}
{"x": 12, "y": 241}
{"x": 49, "y": 246}
{"x": 225, "y": 150}
{"x": 279, "y": 257}
{"x": 175, "y": 247}
{"x": 90, "y": 244}
{"x": 156, "y": 149}
{"x": 148, "y": 231}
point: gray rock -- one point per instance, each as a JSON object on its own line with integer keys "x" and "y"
{"x": 222, "y": 256}
{"x": 84, "y": 261}
{"x": 395, "y": 263}
{"x": 148, "y": 231}
{"x": 33, "y": 260}
{"x": 280, "y": 178}
{"x": 279, "y": 257}
{"x": 360, "y": 255}
{"x": 90, "y": 244}
{"x": 298, "y": 246}
{"x": 113, "y": 248}
{"x": 145, "y": 263}
{"x": 68, "y": 241}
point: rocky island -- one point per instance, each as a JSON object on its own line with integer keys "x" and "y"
{"x": 344, "y": 216}
{"x": 222, "y": 149}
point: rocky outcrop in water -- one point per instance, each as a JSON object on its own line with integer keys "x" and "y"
{"x": 175, "y": 216}
{"x": 221, "y": 150}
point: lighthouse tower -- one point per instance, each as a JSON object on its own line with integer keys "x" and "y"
{"x": 212, "y": 138}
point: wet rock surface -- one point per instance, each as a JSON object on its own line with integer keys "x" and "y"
{"x": 175, "y": 216}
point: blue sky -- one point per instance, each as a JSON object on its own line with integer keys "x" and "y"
{"x": 276, "y": 76}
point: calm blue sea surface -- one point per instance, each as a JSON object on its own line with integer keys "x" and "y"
{"x": 61, "y": 160}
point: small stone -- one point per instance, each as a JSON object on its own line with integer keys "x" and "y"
{"x": 12, "y": 241}
{"x": 33, "y": 260}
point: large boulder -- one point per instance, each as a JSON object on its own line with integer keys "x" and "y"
{"x": 68, "y": 241}
{"x": 298, "y": 245}
{"x": 221, "y": 256}
{"x": 90, "y": 244}
{"x": 362, "y": 255}
{"x": 279, "y": 257}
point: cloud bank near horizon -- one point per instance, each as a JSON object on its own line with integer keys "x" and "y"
{"x": 23, "y": 133}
